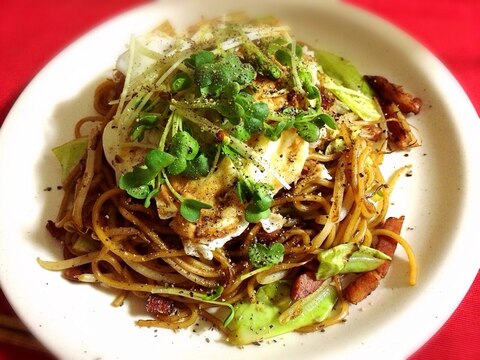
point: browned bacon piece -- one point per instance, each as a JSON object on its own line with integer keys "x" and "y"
{"x": 159, "y": 305}
{"x": 389, "y": 92}
{"x": 399, "y": 137}
{"x": 268, "y": 237}
{"x": 367, "y": 282}
{"x": 57, "y": 233}
{"x": 304, "y": 285}
{"x": 373, "y": 132}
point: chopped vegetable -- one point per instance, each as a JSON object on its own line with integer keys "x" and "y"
{"x": 342, "y": 70}
{"x": 348, "y": 258}
{"x": 274, "y": 313}
{"x": 346, "y": 82}
{"x": 70, "y": 153}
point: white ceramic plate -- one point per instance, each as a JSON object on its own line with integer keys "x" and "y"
{"x": 440, "y": 201}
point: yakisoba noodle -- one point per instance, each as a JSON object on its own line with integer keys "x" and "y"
{"x": 307, "y": 226}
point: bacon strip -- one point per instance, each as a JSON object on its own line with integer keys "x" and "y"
{"x": 304, "y": 285}
{"x": 159, "y": 306}
{"x": 57, "y": 233}
{"x": 367, "y": 282}
{"x": 400, "y": 136}
{"x": 389, "y": 92}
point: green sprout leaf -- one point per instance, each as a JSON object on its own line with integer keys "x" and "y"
{"x": 213, "y": 78}
{"x": 145, "y": 121}
{"x": 197, "y": 168}
{"x": 254, "y": 214}
{"x": 184, "y": 145}
{"x": 138, "y": 182}
{"x": 140, "y": 192}
{"x": 273, "y": 132}
{"x": 150, "y": 196}
{"x": 181, "y": 81}
{"x": 259, "y": 195}
{"x": 308, "y": 131}
{"x": 200, "y": 58}
{"x": 178, "y": 166}
{"x": 261, "y": 255}
{"x": 307, "y": 82}
{"x": 262, "y": 62}
{"x": 190, "y": 209}
{"x": 327, "y": 120}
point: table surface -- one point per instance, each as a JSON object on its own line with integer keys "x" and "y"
{"x": 33, "y": 32}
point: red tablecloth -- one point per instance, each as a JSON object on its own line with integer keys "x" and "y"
{"x": 33, "y": 32}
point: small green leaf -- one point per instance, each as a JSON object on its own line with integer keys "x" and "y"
{"x": 327, "y": 120}
{"x": 264, "y": 203}
{"x": 273, "y": 132}
{"x": 307, "y": 82}
{"x": 200, "y": 58}
{"x": 184, "y": 145}
{"x": 283, "y": 57}
{"x": 190, "y": 209}
{"x": 142, "y": 175}
{"x": 261, "y": 255}
{"x": 157, "y": 159}
{"x": 136, "y": 179}
{"x": 145, "y": 121}
{"x": 212, "y": 78}
{"x": 178, "y": 166}
{"x": 308, "y": 131}
{"x": 198, "y": 167}
{"x": 150, "y": 196}
{"x": 243, "y": 192}
{"x": 306, "y": 116}
{"x": 181, "y": 81}
{"x": 141, "y": 192}
{"x": 253, "y": 214}
{"x": 240, "y": 133}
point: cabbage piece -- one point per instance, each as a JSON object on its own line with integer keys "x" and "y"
{"x": 348, "y": 258}
{"x": 274, "y": 313}
{"x": 343, "y": 71}
{"x": 344, "y": 80}
{"x": 70, "y": 153}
